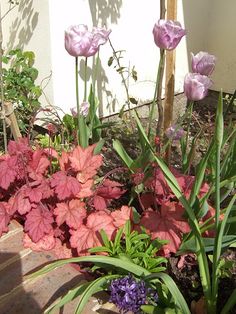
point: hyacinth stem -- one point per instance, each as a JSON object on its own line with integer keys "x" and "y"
{"x": 85, "y": 79}
{"x": 157, "y": 93}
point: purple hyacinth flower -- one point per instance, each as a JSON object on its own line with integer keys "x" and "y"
{"x": 128, "y": 294}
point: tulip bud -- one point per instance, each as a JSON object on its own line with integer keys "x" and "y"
{"x": 73, "y": 112}
{"x": 84, "y": 108}
{"x": 167, "y": 34}
{"x": 203, "y": 63}
{"x": 174, "y": 132}
{"x": 81, "y": 42}
{"x": 196, "y": 86}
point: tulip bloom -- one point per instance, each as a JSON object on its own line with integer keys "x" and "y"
{"x": 81, "y": 42}
{"x": 203, "y": 63}
{"x": 196, "y": 86}
{"x": 167, "y": 34}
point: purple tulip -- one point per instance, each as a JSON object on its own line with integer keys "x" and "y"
{"x": 203, "y": 63}
{"x": 196, "y": 86}
{"x": 174, "y": 132}
{"x": 81, "y": 42}
{"x": 167, "y": 34}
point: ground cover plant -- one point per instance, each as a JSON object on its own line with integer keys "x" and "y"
{"x": 126, "y": 232}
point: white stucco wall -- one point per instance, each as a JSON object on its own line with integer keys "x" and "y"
{"x": 222, "y": 42}
{"x": 27, "y": 27}
{"x": 131, "y": 23}
{"x": 39, "y": 25}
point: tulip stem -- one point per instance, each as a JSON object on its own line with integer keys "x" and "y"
{"x": 157, "y": 94}
{"x": 77, "y": 93}
{"x": 85, "y": 78}
{"x": 189, "y": 122}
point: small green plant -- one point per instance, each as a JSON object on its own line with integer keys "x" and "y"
{"x": 131, "y": 262}
{"x": 134, "y": 246}
{"x": 19, "y": 85}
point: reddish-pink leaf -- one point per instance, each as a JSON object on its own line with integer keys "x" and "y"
{"x": 86, "y": 189}
{"x": 51, "y": 152}
{"x": 8, "y": 171}
{"x": 161, "y": 190}
{"x": 38, "y": 223}
{"x": 83, "y": 239}
{"x": 108, "y": 191}
{"x": 166, "y": 224}
{"x": 85, "y": 163}
{"x": 45, "y": 189}
{"x": 99, "y": 202}
{"x": 88, "y": 236}
{"x": 72, "y": 213}
{"x": 19, "y": 203}
{"x": 34, "y": 194}
{"x": 65, "y": 186}
{"x": 38, "y": 165}
{"x": 4, "y": 218}
{"x": 64, "y": 161}
{"x": 47, "y": 243}
{"x": 19, "y": 146}
{"x": 121, "y": 216}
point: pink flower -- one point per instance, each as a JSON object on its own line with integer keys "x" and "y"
{"x": 203, "y": 63}
{"x": 167, "y": 34}
{"x": 73, "y": 112}
{"x": 196, "y": 86}
{"x": 81, "y": 42}
{"x": 84, "y": 108}
{"x": 174, "y": 132}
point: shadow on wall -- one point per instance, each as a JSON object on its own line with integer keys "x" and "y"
{"x": 104, "y": 13}
{"x": 22, "y": 28}
{"x": 13, "y": 297}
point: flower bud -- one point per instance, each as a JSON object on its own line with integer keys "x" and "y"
{"x": 174, "y": 132}
{"x": 84, "y": 108}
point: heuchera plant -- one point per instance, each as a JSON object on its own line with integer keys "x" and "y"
{"x": 60, "y": 209}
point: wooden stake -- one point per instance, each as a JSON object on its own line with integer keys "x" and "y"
{"x": 10, "y": 115}
{"x": 170, "y": 71}
{"x": 170, "y": 78}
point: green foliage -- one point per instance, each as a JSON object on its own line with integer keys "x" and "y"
{"x": 167, "y": 290}
{"x": 19, "y": 86}
{"x": 134, "y": 246}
